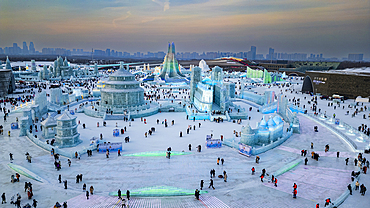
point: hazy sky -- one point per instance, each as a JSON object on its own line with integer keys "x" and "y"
{"x": 331, "y": 27}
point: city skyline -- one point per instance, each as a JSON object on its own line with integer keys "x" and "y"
{"x": 334, "y": 28}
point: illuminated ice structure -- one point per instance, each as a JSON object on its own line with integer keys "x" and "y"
{"x": 66, "y": 131}
{"x": 203, "y": 65}
{"x": 206, "y": 93}
{"x": 122, "y": 91}
{"x": 62, "y": 68}
{"x": 265, "y": 133}
{"x": 171, "y": 70}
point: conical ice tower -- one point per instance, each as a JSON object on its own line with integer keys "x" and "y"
{"x": 170, "y": 64}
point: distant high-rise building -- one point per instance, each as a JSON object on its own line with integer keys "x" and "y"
{"x": 253, "y": 52}
{"x": 1, "y": 51}
{"x": 107, "y": 52}
{"x": 32, "y": 48}
{"x": 25, "y": 48}
{"x": 270, "y": 55}
{"x": 355, "y": 57}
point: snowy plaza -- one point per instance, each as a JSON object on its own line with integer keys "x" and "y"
{"x": 157, "y": 181}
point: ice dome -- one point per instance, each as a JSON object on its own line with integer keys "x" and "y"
{"x": 271, "y": 122}
{"x": 277, "y": 119}
{"x": 203, "y": 65}
{"x": 263, "y": 122}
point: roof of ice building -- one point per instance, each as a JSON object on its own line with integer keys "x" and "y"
{"x": 121, "y": 72}
{"x": 277, "y": 119}
{"x": 271, "y": 122}
{"x": 263, "y": 122}
{"x": 49, "y": 121}
{"x": 65, "y": 117}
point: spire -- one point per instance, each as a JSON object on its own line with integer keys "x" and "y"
{"x": 8, "y": 66}
{"x": 169, "y": 48}
{"x": 173, "y": 48}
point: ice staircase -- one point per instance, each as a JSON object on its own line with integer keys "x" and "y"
{"x": 96, "y": 201}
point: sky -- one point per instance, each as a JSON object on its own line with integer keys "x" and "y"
{"x": 332, "y": 27}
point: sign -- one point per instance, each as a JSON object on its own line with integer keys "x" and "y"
{"x": 245, "y": 149}
{"x": 213, "y": 143}
{"x": 110, "y": 146}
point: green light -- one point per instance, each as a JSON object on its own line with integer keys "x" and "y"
{"x": 156, "y": 154}
{"x": 156, "y": 191}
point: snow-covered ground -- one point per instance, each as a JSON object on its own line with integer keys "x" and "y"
{"x": 327, "y": 177}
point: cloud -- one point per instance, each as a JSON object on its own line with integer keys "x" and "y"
{"x": 121, "y": 18}
{"x": 163, "y": 3}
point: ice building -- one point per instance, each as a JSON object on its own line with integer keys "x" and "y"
{"x": 7, "y": 81}
{"x": 122, "y": 91}
{"x": 170, "y": 67}
{"x": 66, "y": 131}
{"x": 61, "y": 68}
{"x": 206, "y": 93}
{"x": 265, "y": 133}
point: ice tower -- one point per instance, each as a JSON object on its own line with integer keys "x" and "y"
{"x": 170, "y": 64}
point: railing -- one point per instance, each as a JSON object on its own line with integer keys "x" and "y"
{"x": 64, "y": 153}
{"x": 342, "y": 136}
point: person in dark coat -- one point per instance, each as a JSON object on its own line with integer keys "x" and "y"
{"x": 87, "y": 195}
{"x": 197, "y": 193}
{"x": 201, "y": 184}
{"x": 65, "y": 184}
{"x": 119, "y": 193}
{"x": 34, "y": 203}
{"x": 128, "y": 194}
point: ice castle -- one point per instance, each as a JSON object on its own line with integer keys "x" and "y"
{"x": 265, "y": 133}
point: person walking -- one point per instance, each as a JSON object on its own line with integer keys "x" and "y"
{"x": 84, "y": 187}
{"x": 211, "y": 184}
{"x": 119, "y": 152}
{"x": 189, "y": 147}
{"x": 222, "y": 161}
{"x": 87, "y": 195}
{"x": 357, "y": 185}
{"x": 350, "y": 189}
{"x": 65, "y": 184}
{"x": 3, "y": 198}
{"x": 34, "y": 203}
{"x": 91, "y": 190}
{"x": 327, "y": 202}
{"x": 262, "y": 176}
{"x": 197, "y": 193}
{"x": 295, "y": 193}
{"x": 305, "y": 161}
{"x": 218, "y": 161}
{"x": 347, "y": 159}
{"x": 275, "y": 182}
{"x": 128, "y": 194}
{"x": 119, "y": 193}
{"x": 201, "y": 184}
{"x": 253, "y": 170}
